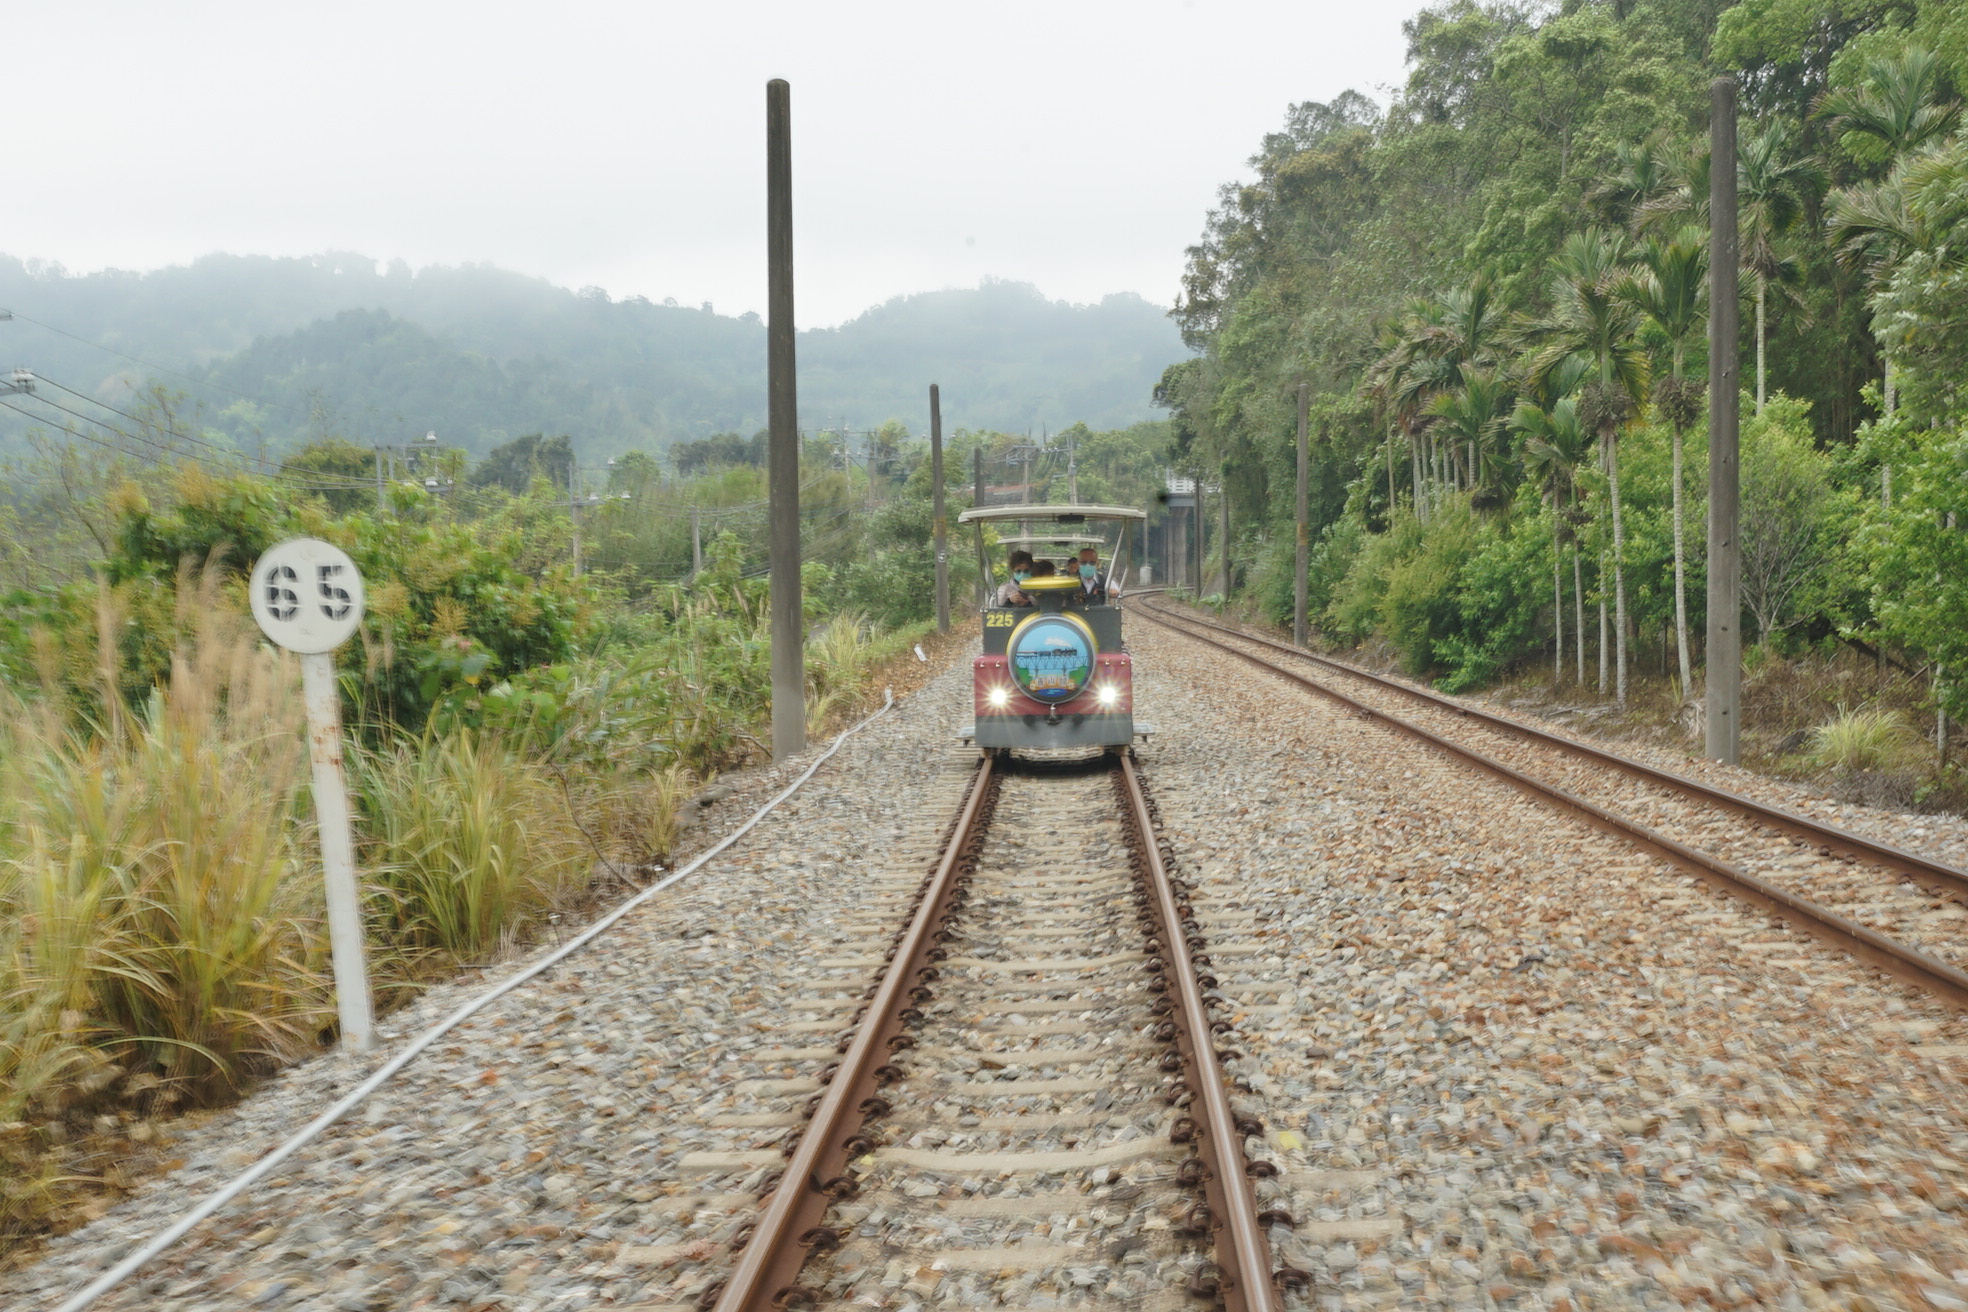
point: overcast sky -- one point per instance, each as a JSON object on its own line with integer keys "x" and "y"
{"x": 1071, "y": 145}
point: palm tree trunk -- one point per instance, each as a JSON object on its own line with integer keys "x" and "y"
{"x": 1557, "y": 608}
{"x": 1578, "y": 612}
{"x": 1762, "y": 290}
{"x": 1414, "y": 467}
{"x": 1619, "y": 571}
{"x": 1680, "y": 580}
{"x": 1601, "y": 590}
{"x": 1890, "y": 387}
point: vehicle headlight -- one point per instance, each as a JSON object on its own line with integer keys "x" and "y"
{"x": 1109, "y": 694}
{"x": 1000, "y": 697}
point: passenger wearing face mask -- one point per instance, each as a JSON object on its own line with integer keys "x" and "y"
{"x": 1093, "y": 584}
{"x": 1010, "y": 594}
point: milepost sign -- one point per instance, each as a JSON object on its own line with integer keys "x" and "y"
{"x": 307, "y": 597}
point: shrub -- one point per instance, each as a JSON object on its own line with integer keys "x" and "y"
{"x": 1875, "y": 739}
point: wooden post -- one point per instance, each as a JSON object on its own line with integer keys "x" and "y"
{"x": 1304, "y": 558}
{"x": 1724, "y": 656}
{"x": 782, "y": 452}
{"x": 939, "y": 524}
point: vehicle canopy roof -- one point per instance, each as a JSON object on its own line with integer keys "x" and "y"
{"x": 1056, "y": 513}
{"x": 1074, "y": 540}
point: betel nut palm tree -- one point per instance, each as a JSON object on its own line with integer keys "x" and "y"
{"x": 1430, "y": 353}
{"x": 1670, "y": 289}
{"x": 1894, "y": 111}
{"x": 1590, "y": 318}
{"x": 1555, "y": 448}
{"x": 1472, "y": 418}
{"x": 1771, "y": 185}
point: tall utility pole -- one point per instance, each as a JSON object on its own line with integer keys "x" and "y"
{"x": 1073, "y": 470}
{"x": 1201, "y": 522}
{"x": 1304, "y": 559}
{"x": 977, "y": 499}
{"x": 1724, "y": 656}
{"x": 1223, "y": 541}
{"x": 696, "y": 543}
{"x": 575, "y": 502}
{"x": 937, "y": 522}
{"x": 782, "y": 443}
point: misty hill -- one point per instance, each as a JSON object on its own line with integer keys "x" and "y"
{"x": 278, "y": 349}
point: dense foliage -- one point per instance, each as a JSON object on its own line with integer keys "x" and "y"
{"x": 1494, "y": 288}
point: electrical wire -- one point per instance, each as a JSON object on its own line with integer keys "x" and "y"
{"x": 154, "y": 368}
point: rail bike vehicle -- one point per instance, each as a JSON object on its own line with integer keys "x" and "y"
{"x": 1053, "y": 672}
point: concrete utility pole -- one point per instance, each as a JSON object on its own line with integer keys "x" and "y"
{"x": 782, "y": 446}
{"x": 1073, "y": 471}
{"x": 938, "y": 523}
{"x": 696, "y": 542}
{"x": 1223, "y": 540}
{"x": 1202, "y": 545}
{"x": 1304, "y": 557}
{"x": 1724, "y": 657}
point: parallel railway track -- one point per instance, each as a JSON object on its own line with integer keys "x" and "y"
{"x": 1034, "y": 1095}
{"x": 1895, "y": 909}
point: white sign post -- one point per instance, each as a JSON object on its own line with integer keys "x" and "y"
{"x": 307, "y": 597}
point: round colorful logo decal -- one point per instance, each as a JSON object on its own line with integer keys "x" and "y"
{"x": 1051, "y": 657}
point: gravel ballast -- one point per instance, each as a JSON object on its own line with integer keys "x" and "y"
{"x": 1503, "y": 1060}
{"x": 1510, "y": 1062}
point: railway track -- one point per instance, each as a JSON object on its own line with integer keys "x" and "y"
{"x": 1895, "y": 909}
{"x": 1032, "y": 1102}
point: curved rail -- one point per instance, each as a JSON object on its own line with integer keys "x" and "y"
{"x": 766, "y": 1273}
{"x": 1888, "y": 954}
{"x": 1775, "y": 817}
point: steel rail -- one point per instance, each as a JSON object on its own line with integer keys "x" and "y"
{"x": 1895, "y": 958}
{"x": 1908, "y": 863}
{"x": 1243, "y": 1254}
{"x": 768, "y": 1265}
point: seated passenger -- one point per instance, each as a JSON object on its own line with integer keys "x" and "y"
{"x": 1093, "y": 584}
{"x": 1010, "y": 594}
{"x": 1044, "y": 569}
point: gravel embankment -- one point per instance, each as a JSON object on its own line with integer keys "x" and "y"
{"x": 1509, "y": 1062}
{"x": 1877, "y": 897}
{"x": 1937, "y": 837}
{"x": 588, "y": 1140}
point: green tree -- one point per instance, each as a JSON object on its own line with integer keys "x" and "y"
{"x": 1670, "y": 290}
{"x": 517, "y": 463}
{"x": 1772, "y": 185}
{"x": 1556, "y": 448}
{"x": 1591, "y": 319}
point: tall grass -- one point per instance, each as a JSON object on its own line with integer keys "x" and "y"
{"x": 152, "y": 928}
{"x": 468, "y": 844}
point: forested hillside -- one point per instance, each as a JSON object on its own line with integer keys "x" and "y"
{"x": 283, "y": 351}
{"x": 1495, "y": 288}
